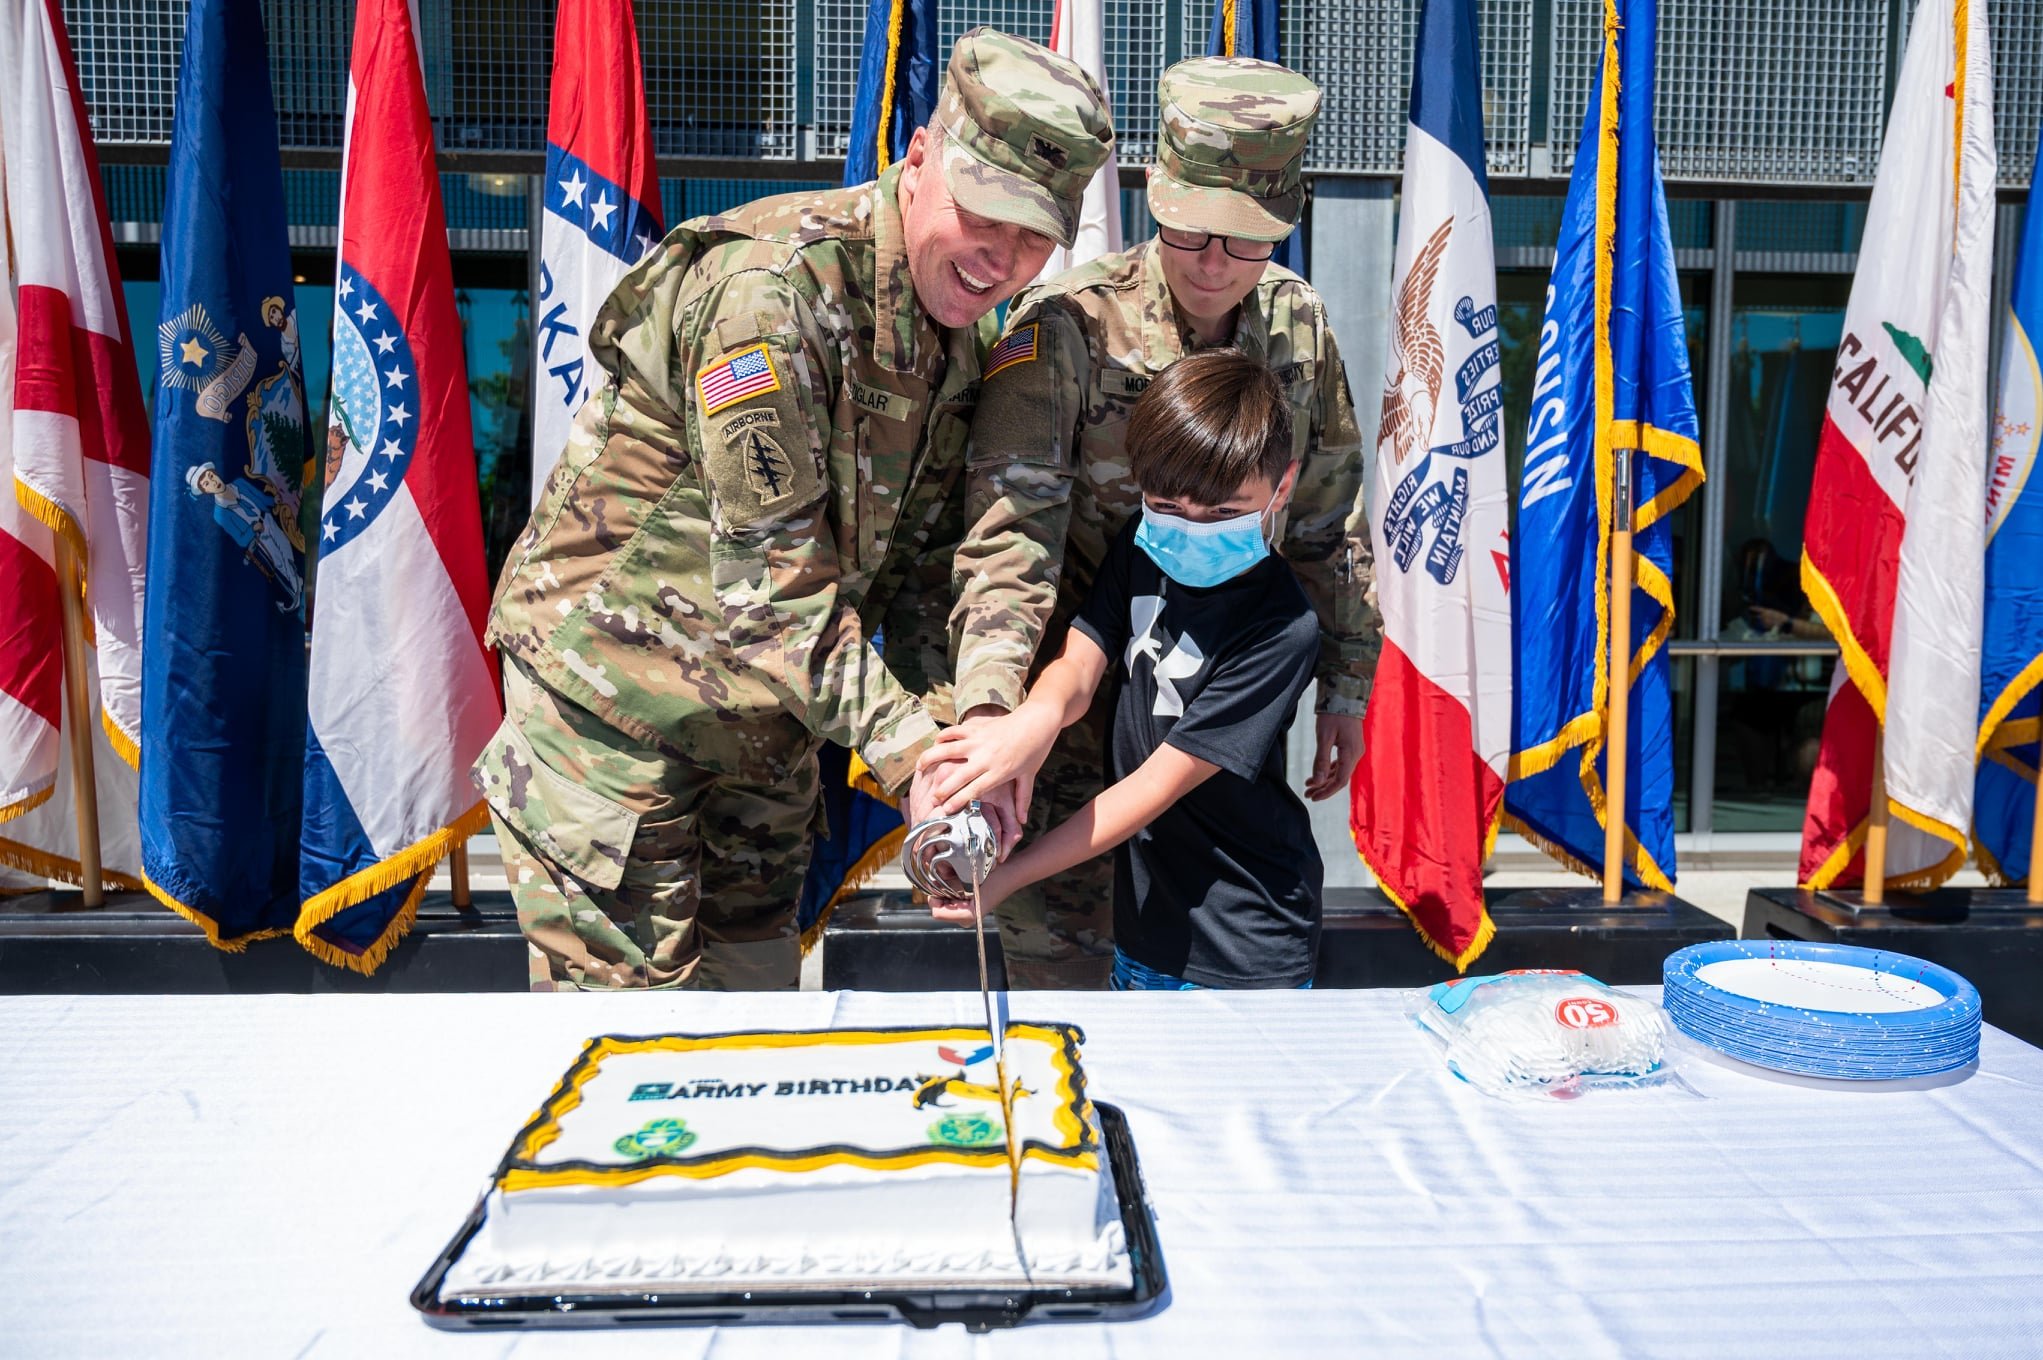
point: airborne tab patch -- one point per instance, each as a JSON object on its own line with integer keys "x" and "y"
{"x": 1019, "y": 348}
{"x": 737, "y": 377}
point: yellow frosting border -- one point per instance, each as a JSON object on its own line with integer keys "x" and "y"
{"x": 1072, "y": 1120}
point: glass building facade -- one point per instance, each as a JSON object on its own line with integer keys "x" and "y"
{"x": 1769, "y": 119}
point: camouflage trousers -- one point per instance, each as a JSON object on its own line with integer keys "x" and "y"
{"x": 632, "y": 866}
{"x": 1060, "y": 933}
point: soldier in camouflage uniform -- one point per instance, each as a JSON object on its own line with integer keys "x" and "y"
{"x": 1049, "y": 483}
{"x": 771, "y": 475}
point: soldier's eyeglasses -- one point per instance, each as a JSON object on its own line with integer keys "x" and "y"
{"x": 1235, "y": 246}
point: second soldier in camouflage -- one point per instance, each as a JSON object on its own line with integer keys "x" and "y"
{"x": 1049, "y": 483}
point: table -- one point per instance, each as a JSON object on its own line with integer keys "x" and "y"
{"x": 269, "y": 1175}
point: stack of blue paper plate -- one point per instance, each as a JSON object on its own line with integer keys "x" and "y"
{"x": 1823, "y": 1010}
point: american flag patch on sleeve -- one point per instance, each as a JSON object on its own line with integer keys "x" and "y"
{"x": 733, "y": 378}
{"x": 1018, "y": 348}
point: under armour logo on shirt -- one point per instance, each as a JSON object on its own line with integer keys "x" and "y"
{"x": 1181, "y": 663}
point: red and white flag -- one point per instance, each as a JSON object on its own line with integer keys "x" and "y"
{"x": 1894, "y": 542}
{"x": 1437, "y": 737}
{"x": 403, "y": 692}
{"x": 602, "y": 207}
{"x": 1078, "y": 32}
{"x": 74, "y": 460}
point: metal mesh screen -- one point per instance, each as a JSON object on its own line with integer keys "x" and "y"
{"x": 720, "y": 76}
{"x": 1360, "y": 53}
{"x": 127, "y": 64}
{"x": 309, "y": 68}
{"x": 2017, "y": 84}
{"x": 840, "y": 33}
{"x": 1763, "y": 91}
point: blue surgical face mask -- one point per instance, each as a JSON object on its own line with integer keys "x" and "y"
{"x": 1194, "y": 554}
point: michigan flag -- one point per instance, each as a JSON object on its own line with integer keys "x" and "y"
{"x": 1891, "y": 551}
{"x": 899, "y": 70}
{"x": 1612, "y": 384}
{"x": 403, "y": 693}
{"x": 223, "y": 652}
{"x": 1248, "y": 28}
{"x": 74, "y": 463}
{"x": 1437, "y": 738}
{"x": 2011, "y": 662}
{"x": 602, "y": 198}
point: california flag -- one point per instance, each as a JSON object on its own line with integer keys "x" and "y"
{"x": 1891, "y": 554}
{"x": 1438, "y": 733}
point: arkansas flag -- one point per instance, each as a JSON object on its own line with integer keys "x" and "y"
{"x": 602, "y": 205}
{"x": 403, "y": 693}
{"x": 74, "y": 462}
{"x": 1892, "y": 550}
{"x": 1437, "y": 738}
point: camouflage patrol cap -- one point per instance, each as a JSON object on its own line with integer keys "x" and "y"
{"x": 1024, "y": 130}
{"x": 1230, "y": 146}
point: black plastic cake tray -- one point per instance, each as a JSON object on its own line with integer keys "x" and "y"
{"x": 977, "y": 1308}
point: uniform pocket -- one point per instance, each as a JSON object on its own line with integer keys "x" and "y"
{"x": 577, "y": 828}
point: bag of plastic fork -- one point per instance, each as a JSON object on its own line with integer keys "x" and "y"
{"x": 1543, "y": 1032}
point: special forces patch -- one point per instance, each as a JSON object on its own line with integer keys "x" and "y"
{"x": 767, "y": 469}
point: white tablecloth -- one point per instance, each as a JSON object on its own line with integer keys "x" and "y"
{"x": 269, "y": 1176}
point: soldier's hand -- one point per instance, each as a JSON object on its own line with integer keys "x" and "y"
{"x": 973, "y": 759}
{"x": 1339, "y": 739}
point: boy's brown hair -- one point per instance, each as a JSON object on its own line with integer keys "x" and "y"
{"x": 1207, "y": 424}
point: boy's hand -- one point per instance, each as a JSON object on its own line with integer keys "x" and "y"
{"x": 1340, "y": 747}
{"x": 974, "y": 759}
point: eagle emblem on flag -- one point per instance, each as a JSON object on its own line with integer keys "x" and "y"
{"x": 1412, "y": 395}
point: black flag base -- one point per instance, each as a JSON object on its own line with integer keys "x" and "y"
{"x": 1993, "y": 937}
{"x": 49, "y": 943}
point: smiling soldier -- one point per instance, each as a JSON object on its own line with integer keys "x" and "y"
{"x": 770, "y": 478}
{"x": 1050, "y": 483}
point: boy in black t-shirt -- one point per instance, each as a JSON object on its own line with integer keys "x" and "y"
{"x": 1211, "y": 641}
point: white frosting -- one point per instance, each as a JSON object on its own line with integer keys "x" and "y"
{"x": 761, "y": 1181}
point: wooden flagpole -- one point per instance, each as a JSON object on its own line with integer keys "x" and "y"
{"x": 1876, "y": 825}
{"x": 78, "y": 697}
{"x": 2036, "y": 839}
{"x": 1617, "y": 740}
{"x": 457, "y": 873}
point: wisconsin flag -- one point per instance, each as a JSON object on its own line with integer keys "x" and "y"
{"x": 2011, "y": 661}
{"x": 602, "y": 206}
{"x": 74, "y": 463}
{"x": 1891, "y": 551}
{"x": 403, "y": 693}
{"x": 1437, "y": 738}
{"x": 1612, "y": 384}
{"x": 223, "y": 656}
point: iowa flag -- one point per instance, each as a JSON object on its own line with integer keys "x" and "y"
{"x": 602, "y": 206}
{"x": 74, "y": 462}
{"x": 1612, "y": 385}
{"x": 2011, "y": 671}
{"x": 403, "y": 693}
{"x": 1891, "y": 555}
{"x": 1437, "y": 737}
